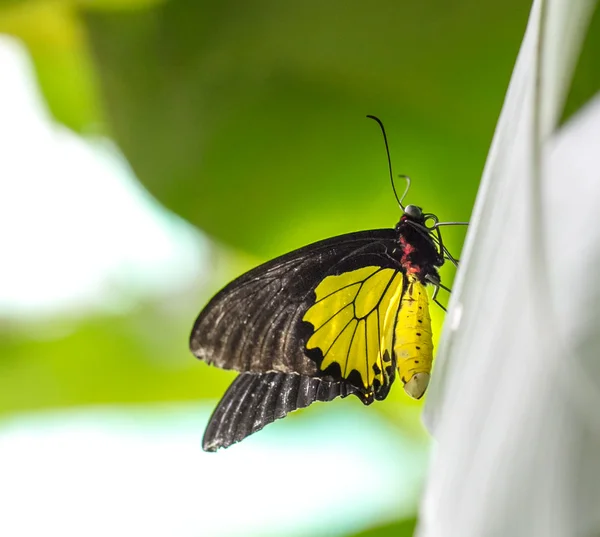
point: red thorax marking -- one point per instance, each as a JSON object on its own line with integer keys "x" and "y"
{"x": 408, "y": 249}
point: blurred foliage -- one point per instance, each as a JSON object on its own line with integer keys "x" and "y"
{"x": 401, "y": 528}
{"x": 248, "y": 120}
{"x": 131, "y": 358}
{"x": 57, "y": 43}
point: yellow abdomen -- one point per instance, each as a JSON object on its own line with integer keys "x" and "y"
{"x": 413, "y": 343}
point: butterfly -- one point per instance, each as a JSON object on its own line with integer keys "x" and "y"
{"x": 339, "y": 317}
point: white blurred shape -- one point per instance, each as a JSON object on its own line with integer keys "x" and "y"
{"x": 127, "y": 471}
{"x": 514, "y": 402}
{"x": 76, "y": 229}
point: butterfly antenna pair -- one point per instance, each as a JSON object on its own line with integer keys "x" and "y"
{"x": 389, "y": 159}
{"x": 434, "y": 230}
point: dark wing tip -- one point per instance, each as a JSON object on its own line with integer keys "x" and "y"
{"x": 256, "y": 399}
{"x": 194, "y": 342}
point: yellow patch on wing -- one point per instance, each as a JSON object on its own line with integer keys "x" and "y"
{"x": 332, "y": 284}
{"x": 371, "y": 292}
{"x": 354, "y": 318}
{"x": 413, "y": 344}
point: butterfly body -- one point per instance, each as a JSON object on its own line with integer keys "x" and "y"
{"x": 338, "y": 317}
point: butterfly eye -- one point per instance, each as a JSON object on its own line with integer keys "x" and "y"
{"x": 414, "y": 212}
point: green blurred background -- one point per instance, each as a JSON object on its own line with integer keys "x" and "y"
{"x": 166, "y": 147}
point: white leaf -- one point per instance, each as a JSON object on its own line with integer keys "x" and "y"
{"x": 518, "y": 368}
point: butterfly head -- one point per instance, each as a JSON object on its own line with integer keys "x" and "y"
{"x": 414, "y": 213}
{"x": 415, "y": 217}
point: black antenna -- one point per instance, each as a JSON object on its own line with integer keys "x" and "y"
{"x": 387, "y": 150}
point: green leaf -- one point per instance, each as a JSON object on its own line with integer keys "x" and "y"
{"x": 401, "y": 528}
{"x": 133, "y": 358}
{"x": 56, "y": 40}
{"x": 248, "y": 120}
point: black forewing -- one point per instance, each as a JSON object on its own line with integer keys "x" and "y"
{"x": 256, "y": 399}
{"x": 255, "y": 323}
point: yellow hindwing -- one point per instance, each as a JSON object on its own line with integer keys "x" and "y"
{"x": 354, "y": 317}
{"x": 361, "y": 319}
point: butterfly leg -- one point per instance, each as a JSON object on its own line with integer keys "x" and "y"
{"x": 443, "y": 253}
{"x": 437, "y": 285}
{"x": 434, "y": 297}
{"x": 435, "y": 281}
